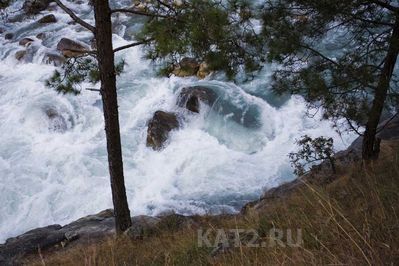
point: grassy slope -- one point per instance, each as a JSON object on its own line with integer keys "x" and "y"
{"x": 351, "y": 220}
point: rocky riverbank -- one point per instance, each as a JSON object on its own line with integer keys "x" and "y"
{"x": 84, "y": 231}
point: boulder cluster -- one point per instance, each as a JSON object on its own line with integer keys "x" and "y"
{"x": 65, "y": 48}
{"x": 161, "y": 123}
{"x": 191, "y": 67}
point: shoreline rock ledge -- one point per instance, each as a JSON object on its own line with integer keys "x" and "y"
{"x": 83, "y": 231}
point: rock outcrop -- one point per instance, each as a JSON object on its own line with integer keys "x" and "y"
{"x": 190, "y": 98}
{"x": 159, "y": 127}
{"x": 70, "y": 48}
{"x": 84, "y": 231}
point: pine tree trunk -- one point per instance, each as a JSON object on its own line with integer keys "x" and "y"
{"x": 105, "y": 57}
{"x": 371, "y": 145}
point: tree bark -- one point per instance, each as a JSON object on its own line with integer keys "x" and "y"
{"x": 105, "y": 57}
{"x": 371, "y": 145}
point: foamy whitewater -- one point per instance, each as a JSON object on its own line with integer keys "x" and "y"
{"x": 219, "y": 160}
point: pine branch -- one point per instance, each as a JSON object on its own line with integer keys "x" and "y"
{"x": 137, "y": 12}
{"x": 75, "y": 17}
{"x": 132, "y": 45}
{"x": 353, "y": 128}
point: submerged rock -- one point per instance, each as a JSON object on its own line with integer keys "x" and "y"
{"x": 70, "y": 48}
{"x": 32, "y": 7}
{"x": 159, "y": 127}
{"x": 190, "y": 98}
{"x": 41, "y": 35}
{"x": 57, "y": 123}
{"x": 47, "y": 19}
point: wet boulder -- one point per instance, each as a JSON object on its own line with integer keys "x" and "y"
{"x": 41, "y": 36}
{"x": 47, "y": 19}
{"x": 25, "y": 41}
{"x": 186, "y": 67}
{"x": 8, "y": 36}
{"x": 28, "y": 53}
{"x": 191, "y": 97}
{"x": 70, "y": 48}
{"x": 159, "y": 127}
{"x": 20, "y": 55}
{"x": 32, "y": 7}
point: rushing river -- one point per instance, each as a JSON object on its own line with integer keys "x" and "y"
{"x": 53, "y": 161}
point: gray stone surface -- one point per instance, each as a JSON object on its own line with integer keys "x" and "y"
{"x": 85, "y": 230}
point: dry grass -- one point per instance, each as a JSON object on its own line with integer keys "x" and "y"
{"x": 353, "y": 221}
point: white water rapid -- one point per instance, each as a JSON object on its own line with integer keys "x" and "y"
{"x": 54, "y": 170}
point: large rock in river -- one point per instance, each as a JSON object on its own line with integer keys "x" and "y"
{"x": 159, "y": 127}
{"x": 25, "y": 41}
{"x": 47, "y": 19}
{"x": 190, "y": 98}
{"x": 70, "y": 48}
